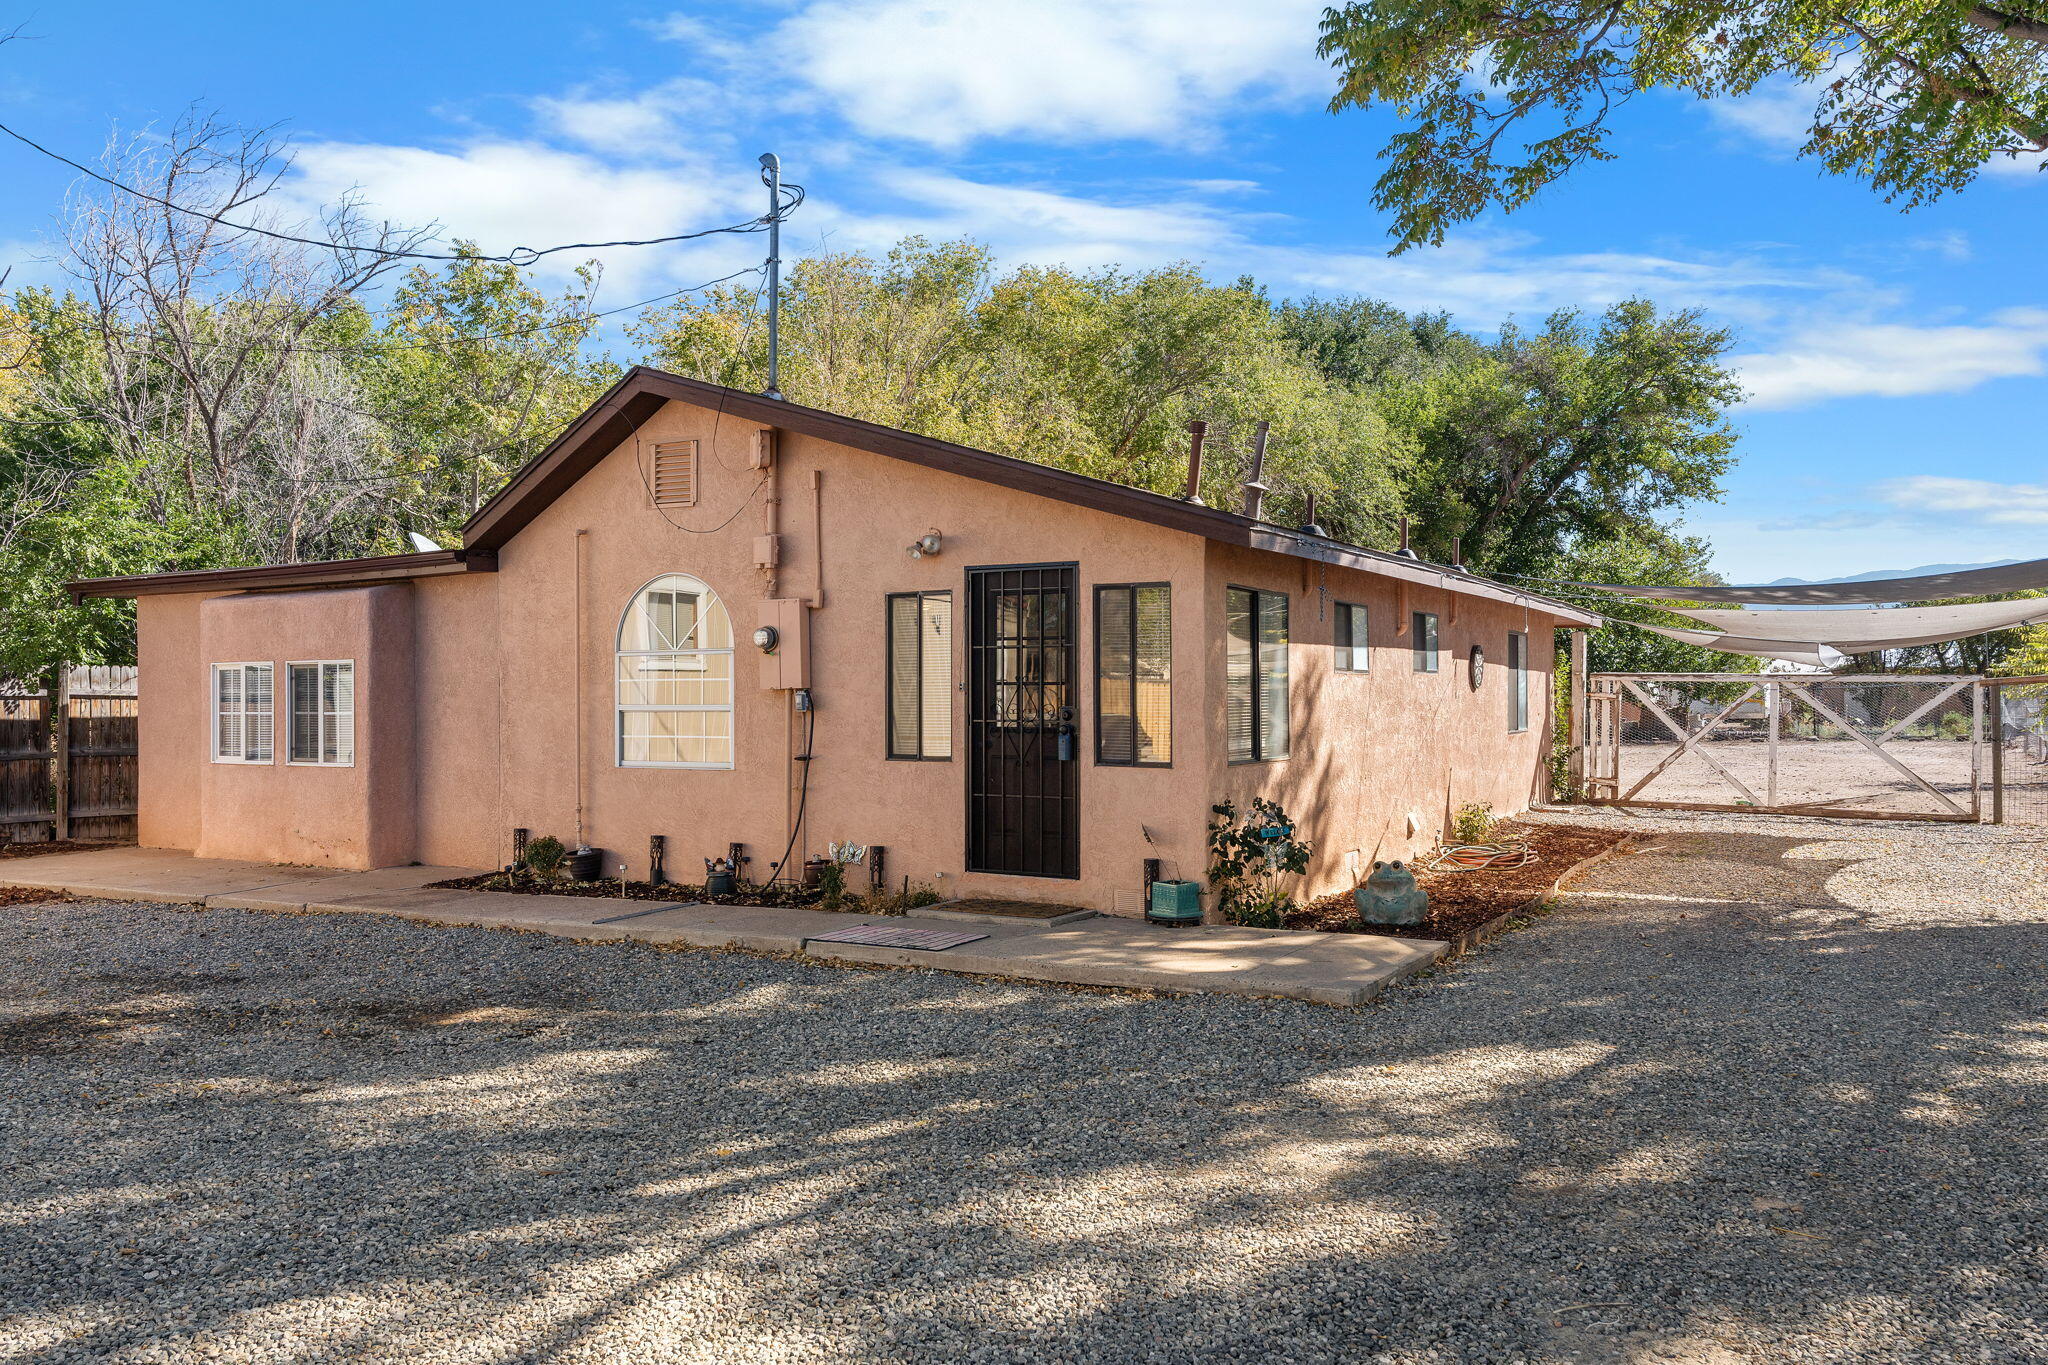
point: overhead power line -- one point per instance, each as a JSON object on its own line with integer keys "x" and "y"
{"x": 519, "y": 256}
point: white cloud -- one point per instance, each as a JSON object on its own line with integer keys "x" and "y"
{"x": 946, "y": 72}
{"x": 650, "y": 123}
{"x": 503, "y": 195}
{"x": 1895, "y": 360}
{"x": 1779, "y": 116}
{"x": 1979, "y": 500}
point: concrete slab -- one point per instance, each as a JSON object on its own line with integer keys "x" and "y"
{"x": 298, "y": 894}
{"x": 979, "y": 917}
{"x": 1094, "y": 950}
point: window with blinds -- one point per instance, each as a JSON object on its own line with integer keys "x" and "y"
{"x": 1255, "y": 675}
{"x": 920, "y": 683}
{"x": 322, "y": 728}
{"x": 674, "y": 476}
{"x": 1134, "y": 675}
{"x": 1518, "y": 680}
{"x": 674, "y": 677}
{"x": 243, "y": 711}
{"x": 1354, "y": 654}
{"x": 1425, "y": 642}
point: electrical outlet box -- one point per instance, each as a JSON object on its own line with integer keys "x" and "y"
{"x": 762, "y": 455}
{"x": 767, "y": 551}
{"x": 788, "y": 665}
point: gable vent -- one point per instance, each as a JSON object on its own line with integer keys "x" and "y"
{"x": 675, "y": 474}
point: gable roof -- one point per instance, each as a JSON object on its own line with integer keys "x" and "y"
{"x": 642, "y": 392}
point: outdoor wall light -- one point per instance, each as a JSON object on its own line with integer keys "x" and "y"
{"x": 765, "y": 638}
{"x": 927, "y": 544}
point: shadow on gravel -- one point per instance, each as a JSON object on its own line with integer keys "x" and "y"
{"x": 1641, "y": 1135}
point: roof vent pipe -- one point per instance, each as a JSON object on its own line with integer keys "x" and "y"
{"x": 1255, "y": 487}
{"x": 1310, "y": 527}
{"x": 1196, "y": 432}
{"x": 1458, "y": 555}
{"x": 1405, "y": 551}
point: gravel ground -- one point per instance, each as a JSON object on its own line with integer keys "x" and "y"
{"x": 1792, "y": 1116}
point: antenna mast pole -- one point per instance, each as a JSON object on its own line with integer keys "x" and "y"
{"x": 771, "y": 176}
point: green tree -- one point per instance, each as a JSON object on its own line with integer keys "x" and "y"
{"x": 1584, "y": 432}
{"x": 1095, "y": 371}
{"x": 1500, "y": 99}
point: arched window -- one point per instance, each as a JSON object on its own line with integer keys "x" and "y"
{"x": 675, "y": 677}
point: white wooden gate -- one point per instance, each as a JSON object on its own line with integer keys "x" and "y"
{"x": 1887, "y": 746}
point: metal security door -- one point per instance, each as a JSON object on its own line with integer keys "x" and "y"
{"x": 1023, "y": 773}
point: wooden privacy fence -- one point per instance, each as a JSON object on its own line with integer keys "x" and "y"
{"x": 74, "y": 780}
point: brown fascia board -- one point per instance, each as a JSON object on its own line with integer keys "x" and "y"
{"x": 333, "y": 573}
{"x": 642, "y": 393}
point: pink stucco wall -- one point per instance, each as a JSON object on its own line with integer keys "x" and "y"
{"x": 497, "y": 691}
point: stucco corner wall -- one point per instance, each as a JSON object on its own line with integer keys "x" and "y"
{"x": 360, "y": 815}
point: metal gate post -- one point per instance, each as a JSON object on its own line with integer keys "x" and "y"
{"x": 1773, "y": 703}
{"x": 1977, "y": 750}
{"x": 1576, "y": 752}
{"x": 1997, "y": 708}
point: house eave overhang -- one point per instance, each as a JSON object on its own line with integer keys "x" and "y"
{"x": 334, "y": 573}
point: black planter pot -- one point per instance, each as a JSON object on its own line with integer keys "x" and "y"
{"x": 585, "y": 863}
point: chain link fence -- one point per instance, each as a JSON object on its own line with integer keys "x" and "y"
{"x": 2017, "y": 711}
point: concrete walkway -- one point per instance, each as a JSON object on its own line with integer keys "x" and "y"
{"x": 1329, "y": 969}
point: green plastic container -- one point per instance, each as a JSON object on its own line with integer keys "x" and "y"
{"x": 1175, "y": 903}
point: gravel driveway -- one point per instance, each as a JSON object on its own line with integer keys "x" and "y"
{"x": 1772, "y": 1093}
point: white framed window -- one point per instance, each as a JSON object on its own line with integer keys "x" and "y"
{"x": 674, "y": 677}
{"x": 1424, "y": 628}
{"x": 920, "y": 677}
{"x": 1354, "y": 647}
{"x": 244, "y": 708}
{"x": 1518, "y": 680}
{"x": 1255, "y": 675}
{"x": 321, "y": 722}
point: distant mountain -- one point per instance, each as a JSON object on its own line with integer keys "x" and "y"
{"x": 1874, "y": 574}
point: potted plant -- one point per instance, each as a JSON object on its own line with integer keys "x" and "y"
{"x": 585, "y": 863}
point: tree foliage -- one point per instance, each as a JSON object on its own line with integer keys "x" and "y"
{"x": 1500, "y": 98}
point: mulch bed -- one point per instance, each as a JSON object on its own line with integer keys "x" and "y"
{"x": 30, "y": 895}
{"x": 40, "y": 847}
{"x": 608, "y": 889}
{"x": 1015, "y": 909}
{"x": 1464, "y": 899}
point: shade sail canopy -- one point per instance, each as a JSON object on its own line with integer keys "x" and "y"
{"x": 1794, "y": 651}
{"x": 2001, "y": 578}
{"x": 1871, "y": 629}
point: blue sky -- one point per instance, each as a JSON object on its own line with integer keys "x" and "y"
{"x": 1896, "y": 361}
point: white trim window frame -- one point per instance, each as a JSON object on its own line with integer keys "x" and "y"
{"x": 676, "y": 613}
{"x": 253, "y": 709}
{"x": 1518, "y": 682}
{"x": 333, "y": 713}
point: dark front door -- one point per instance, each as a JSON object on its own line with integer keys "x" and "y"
{"x": 1023, "y": 784}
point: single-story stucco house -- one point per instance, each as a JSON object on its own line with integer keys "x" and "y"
{"x": 722, "y": 618}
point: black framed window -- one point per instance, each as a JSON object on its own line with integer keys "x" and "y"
{"x": 1134, "y": 675}
{"x": 1518, "y": 680}
{"x": 1354, "y": 652}
{"x": 1425, "y": 641}
{"x": 1255, "y": 675}
{"x": 920, "y": 628}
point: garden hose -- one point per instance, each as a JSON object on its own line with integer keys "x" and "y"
{"x": 1514, "y": 853}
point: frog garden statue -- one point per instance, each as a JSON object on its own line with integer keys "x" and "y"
{"x": 1390, "y": 896}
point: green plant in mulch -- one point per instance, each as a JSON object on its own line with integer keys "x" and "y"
{"x": 1474, "y": 823}
{"x": 545, "y": 856}
{"x": 831, "y": 886}
{"x": 912, "y": 896}
{"x": 1248, "y": 854}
